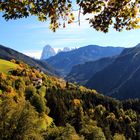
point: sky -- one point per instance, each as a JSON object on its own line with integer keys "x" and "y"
{"x": 29, "y": 36}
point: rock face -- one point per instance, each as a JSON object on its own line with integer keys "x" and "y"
{"x": 121, "y": 78}
{"x": 47, "y": 52}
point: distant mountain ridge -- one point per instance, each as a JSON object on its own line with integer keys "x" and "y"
{"x": 8, "y": 54}
{"x": 64, "y": 61}
{"x": 121, "y": 78}
{"x": 83, "y": 72}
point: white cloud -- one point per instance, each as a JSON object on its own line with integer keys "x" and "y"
{"x": 33, "y": 53}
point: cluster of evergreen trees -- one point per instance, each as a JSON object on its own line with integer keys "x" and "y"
{"x": 36, "y": 106}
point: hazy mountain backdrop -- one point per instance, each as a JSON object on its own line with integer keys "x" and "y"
{"x": 64, "y": 61}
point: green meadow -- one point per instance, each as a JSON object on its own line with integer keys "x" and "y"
{"x": 6, "y": 66}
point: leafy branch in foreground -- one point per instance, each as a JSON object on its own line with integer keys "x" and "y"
{"x": 122, "y": 14}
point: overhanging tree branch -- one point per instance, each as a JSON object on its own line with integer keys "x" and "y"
{"x": 122, "y": 14}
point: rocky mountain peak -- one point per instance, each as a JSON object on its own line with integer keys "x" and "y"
{"x": 47, "y": 52}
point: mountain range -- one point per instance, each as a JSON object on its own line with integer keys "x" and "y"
{"x": 64, "y": 61}
{"x": 121, "y": 78}
{"x": 8, "y": 54}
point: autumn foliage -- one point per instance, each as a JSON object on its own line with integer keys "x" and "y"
{"x": 57, "y": 109}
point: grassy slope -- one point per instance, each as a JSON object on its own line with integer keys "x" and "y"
{"x": 6, "y": 66}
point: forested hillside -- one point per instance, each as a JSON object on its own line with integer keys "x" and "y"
{"x": 41, "y": 107}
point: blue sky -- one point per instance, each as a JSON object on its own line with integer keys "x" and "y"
{"x": 30, "y": 36}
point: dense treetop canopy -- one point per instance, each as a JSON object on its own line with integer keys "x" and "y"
{"x": 121, "y": 14}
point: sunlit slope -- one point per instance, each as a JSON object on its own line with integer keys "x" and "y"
{"x": 6, "y": 66}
